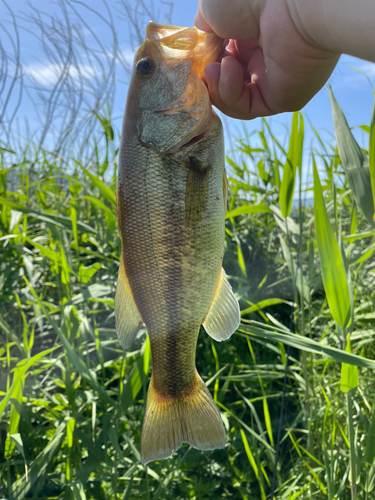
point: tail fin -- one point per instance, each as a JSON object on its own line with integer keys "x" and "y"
{"x": 169, "y": 422}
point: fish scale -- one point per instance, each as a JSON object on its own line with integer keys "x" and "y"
{"x": 171, "y": 211}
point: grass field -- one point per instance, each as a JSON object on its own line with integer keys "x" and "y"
{"x": 295, "y": 383}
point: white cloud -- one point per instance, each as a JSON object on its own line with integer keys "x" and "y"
{"x": 127, "y": 55}
{"x": 351, "y": 72}
{"x": 356, "y": 70}
{"x": 49, "y": 74}
{"x": 366, "y": 67}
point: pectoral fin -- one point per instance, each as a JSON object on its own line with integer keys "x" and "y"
{"x": 128, "y": 319}
{"x": 223, "y": 317}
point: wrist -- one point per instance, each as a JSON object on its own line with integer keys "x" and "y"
{"x": 309, "y": 18}
{"x": 338, "y": 26}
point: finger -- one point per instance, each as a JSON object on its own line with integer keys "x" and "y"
{"x": 231, "y": 95}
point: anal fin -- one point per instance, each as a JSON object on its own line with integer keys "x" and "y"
{"x": 223, "y": 318}
{"x": 128, "y": 318}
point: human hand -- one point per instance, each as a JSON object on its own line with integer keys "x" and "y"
{"x": 271, "y": 65}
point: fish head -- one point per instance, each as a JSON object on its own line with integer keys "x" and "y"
{"x": 170, "y": 102}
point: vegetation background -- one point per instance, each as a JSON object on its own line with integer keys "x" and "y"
{"x": 295, "y": 383}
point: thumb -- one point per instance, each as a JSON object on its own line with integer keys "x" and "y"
{"x": 200, "y": 22}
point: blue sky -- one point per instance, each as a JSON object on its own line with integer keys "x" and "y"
{"x": 352, "y": 89}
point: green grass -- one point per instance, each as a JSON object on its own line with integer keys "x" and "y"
{"x": 73, "y": 401}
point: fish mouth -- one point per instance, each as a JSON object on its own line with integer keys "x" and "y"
{"x": 179, "y": 42}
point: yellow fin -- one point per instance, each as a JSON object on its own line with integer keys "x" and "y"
{"x": 128, "y": 319}
{"x": 169, "y": 422}
{"x": 223, "y": 318}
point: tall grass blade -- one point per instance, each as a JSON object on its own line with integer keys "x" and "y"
{"x": 295, "y": 271}
{"x": 15, "y": 415}
{"x": 370, "y": 455}
{"x": 246, "y": 427}
{"x": 85, "y": 273}
{"x": 78, "y": 491}
{"x": 353, "y": 473}
{"x": 267, "y": 419}
{"x": 294, "y": 161}
{"x": 349, "y": 373}
{"x": 370, "y": 441}
{"x": 263, "y": 304}
{"x": 17, "y": 439}
{"x": 248, "y": 209}
{"x": 257, "y": 329}
{"x": 333, "y": 269}
{"x": 371, "y": 154}
{"x": 354, "y": 162}
{"x": 253, "y": 463}
{"x": 103, "y": 188}
{"x": 70, "y": 432}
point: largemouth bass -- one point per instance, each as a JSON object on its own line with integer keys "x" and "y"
{"x": 171, "y": 201}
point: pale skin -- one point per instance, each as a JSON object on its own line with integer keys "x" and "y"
{"x": 281, "y": 52}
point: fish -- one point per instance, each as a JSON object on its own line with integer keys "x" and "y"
{"x": 171, "y": 204}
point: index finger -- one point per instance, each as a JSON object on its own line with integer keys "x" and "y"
{"x": 231, "y": 95}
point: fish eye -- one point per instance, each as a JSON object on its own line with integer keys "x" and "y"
{"x": 145, "y": 67}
